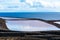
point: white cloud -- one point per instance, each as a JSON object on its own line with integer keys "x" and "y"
{"x": 45, "y": 3}
{"x": 1, "y": 7}
{"x": 52, "y": 4}
{"x": 16, "y": 5}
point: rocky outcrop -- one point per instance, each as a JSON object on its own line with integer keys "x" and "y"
{"x": 2, "y": 24}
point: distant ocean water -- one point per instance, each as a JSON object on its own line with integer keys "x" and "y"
{"x": 40, "y": 15}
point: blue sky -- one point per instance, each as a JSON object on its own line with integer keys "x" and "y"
{"x": 29, "y": 5}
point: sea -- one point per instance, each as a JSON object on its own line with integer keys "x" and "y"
{"x": 39, "y": 15}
